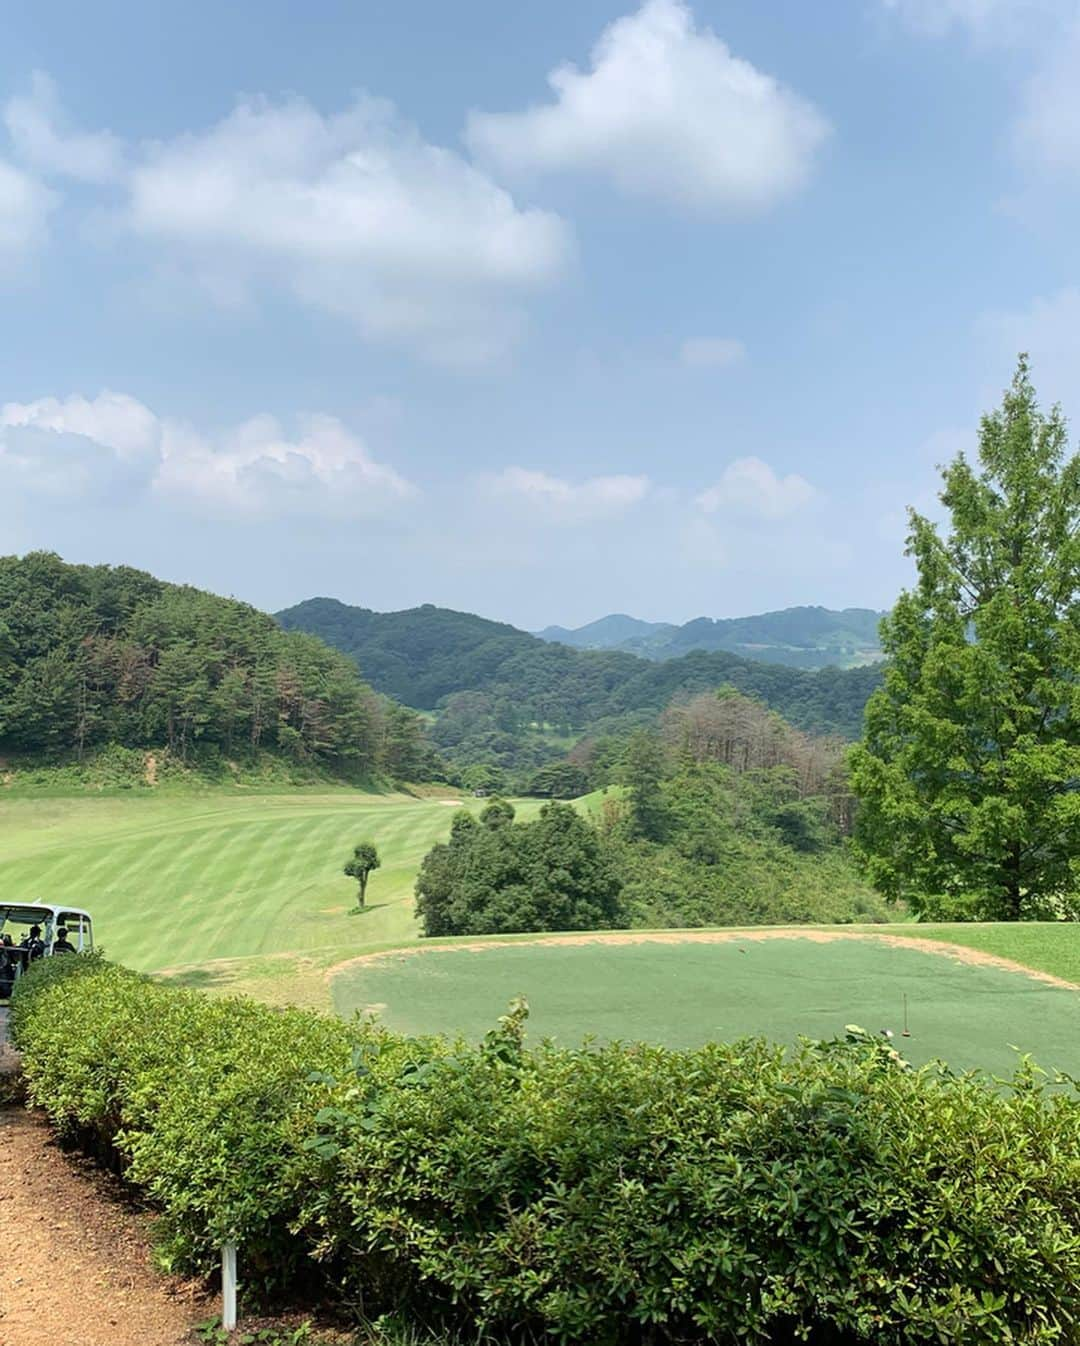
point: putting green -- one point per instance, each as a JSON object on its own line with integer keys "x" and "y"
{"x": 686, "y": 992}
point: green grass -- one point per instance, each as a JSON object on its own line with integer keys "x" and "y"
{"x": 1049, "y": 946}
{"x": 244, "y": 891}
{"x": 181, "y": 878}
{"x": 685, "y": 993}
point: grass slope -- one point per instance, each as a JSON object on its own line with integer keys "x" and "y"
{"x": 684, "y": 994}
{"x": 185, "y": 879}
{"x": 1049, "y": 946}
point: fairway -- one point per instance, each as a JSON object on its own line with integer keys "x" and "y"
{"x": 686, "y": 993}
{"x": 185, "y": 879}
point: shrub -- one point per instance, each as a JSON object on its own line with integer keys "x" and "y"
{"x": 496, "y": 876}
{"x": 623, "y": 1193}
{"x": 193, "y": 1096}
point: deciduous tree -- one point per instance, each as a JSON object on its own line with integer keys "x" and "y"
{"x": 969, "y": 771}
{"x": 496, "y": 876}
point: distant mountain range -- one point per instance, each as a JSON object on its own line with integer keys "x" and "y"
{"x": 427, "y": 657}
{"x": 806, "y": 637}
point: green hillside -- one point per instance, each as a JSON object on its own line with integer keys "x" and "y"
{"x": 102, "y": 655}
{"x": 514, "y": 681}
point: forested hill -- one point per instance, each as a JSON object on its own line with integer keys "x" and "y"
{"x": 496, "y": 673}
{"x": 94, "y": 655}
{"x": 804, "y": 637}
{"x": 419, "y": 655}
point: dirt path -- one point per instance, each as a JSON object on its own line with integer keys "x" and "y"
{"x": 960, "y": 953}
{"x": 75, "y": 1267}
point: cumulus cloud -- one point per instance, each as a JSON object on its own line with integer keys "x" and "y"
{"x": 750, "y": 488}
{"x": 114, "y": 445}
{"x": 258, "y": 469}
{"x": 120, "y": 422}
{"x": 353, "y": 213}
{"x": 357, "y": 214}
{"x": 24, "y": 209}
{"x": 102, "y": 450}
{"x": 665, "y": 111}
{"x": 570, "y": 502}
{"x": 711, "y": 352}
{"x": 43, "y": 137}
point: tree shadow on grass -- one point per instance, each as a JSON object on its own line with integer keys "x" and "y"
{"x": 201, "y": 978}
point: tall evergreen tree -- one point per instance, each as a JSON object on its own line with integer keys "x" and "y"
{"x": 643, "y": 769}
{"x": 969, "y": 770}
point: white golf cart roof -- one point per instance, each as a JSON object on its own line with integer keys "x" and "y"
{"x": 42, "y": 913}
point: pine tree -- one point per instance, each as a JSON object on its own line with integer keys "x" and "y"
{"x": 643, "y": 768}
{"x": 969, "y": 771}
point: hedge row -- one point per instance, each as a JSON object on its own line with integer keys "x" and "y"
{"x": 612, "y": 1194}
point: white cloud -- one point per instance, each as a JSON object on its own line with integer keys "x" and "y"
{"x": 258, "y": 469}
{"x": 115, "y": 420}
{"x": 570, "y": 502}
{"x": 24, "y": 211}
{"x": 104, "y": 450}
{"x": 749, "y": 487}
{"x": 114, "y": 444}
{"x": 665, "y": 111}
{"x": 983, "y": 18}
{"x": 1047, "y": 129}
{"x": 1049, "y": 331}
{"x": 354, "y": 213}
{"x": 42, "y": 137}
{"x": 711, "y": 352}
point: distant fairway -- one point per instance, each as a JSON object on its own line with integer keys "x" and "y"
{"x": 688, "y": 992}
{"x": 178, "y": 879}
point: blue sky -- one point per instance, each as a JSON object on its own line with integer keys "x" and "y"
{"x": 542, "y": 311}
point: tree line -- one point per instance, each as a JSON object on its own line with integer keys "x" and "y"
{"x": 722, "y": 814}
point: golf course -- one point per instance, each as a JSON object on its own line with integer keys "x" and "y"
{"x": 227, "y": 886}
{"x": 686, "y": 988}
{"x": 236, "y": 891}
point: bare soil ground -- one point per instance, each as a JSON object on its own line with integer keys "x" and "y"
{"x": 75, "y": 1265}
{"x": 76, "y": 1269}
{"x": 958, "y": 952}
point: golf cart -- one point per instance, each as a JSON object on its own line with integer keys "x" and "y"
{"x": 19, "y": 947}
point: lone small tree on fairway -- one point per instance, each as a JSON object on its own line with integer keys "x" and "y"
{"x": 360, "y": 866}
{"x": 968, "y": 775}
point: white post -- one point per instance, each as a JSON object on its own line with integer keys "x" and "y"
{"x": 228, "y": 1286}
